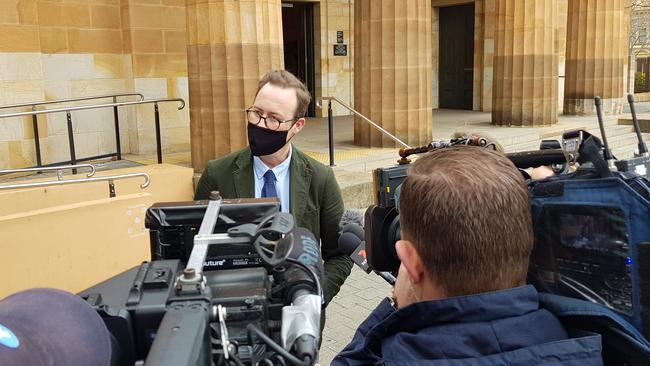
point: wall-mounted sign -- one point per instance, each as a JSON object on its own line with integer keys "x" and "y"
{"x": 340, "y": 50}
{"x": 339, "y": 36}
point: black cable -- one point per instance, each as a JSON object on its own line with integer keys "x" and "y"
{"x": 235, "y": 358}
{"x": 280, "y": 360}
{"x": 276, "y": 347}
{"x": 266, "y": 360}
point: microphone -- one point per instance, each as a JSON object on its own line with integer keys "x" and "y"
{"x": 355, "y": 248}
{"x": 535, "y": 158}
{"x": 351, "y": 243}
{"x": 306, "y": 250}
{"x": 304, "y": 275}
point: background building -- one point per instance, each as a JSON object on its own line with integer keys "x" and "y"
{"x": 525, "y": 61}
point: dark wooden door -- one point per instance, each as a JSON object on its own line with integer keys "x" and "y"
{"x": 456, "y": 83}
{"x": 298, "y": 33}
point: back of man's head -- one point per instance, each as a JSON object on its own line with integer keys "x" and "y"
{"x": 467, "y": 212}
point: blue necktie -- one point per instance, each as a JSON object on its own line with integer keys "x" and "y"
{"x": 269, "y": 185}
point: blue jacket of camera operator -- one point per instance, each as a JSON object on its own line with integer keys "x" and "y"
{"x": 496, "y": 328}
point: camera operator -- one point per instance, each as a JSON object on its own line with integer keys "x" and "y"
{"x": 460, "y": 294}
{"x": 271, "y": 167}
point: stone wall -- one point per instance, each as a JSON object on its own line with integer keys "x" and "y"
{"x": 53, "y": 50}
{"x": 334, "y": 74}
{"x": 154, "y": 34}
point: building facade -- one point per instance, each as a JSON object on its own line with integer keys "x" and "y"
{"x": 525, "y": 61}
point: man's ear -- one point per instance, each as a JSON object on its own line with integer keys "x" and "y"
{"x": 299, "y": 124}
{"x": 411, "y": 260}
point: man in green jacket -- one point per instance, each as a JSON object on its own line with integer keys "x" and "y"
{"x": 271, "y": 167}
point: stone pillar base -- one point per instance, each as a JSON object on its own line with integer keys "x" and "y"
{"x": 587, "y": 107}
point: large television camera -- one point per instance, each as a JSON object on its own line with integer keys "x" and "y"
{"x": 591, "y": 224}
{"x": 232, "y": 282}
{"x": 382, "y": 229}
{"x": 592, "y": 237}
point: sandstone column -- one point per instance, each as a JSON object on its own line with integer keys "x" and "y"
{"x": 392, "y": 76}
{"x": 597, "y": 47}
{"x": 231, "y": 44}
{"x": 525, "y": 63}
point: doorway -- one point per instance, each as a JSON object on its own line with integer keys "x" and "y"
{"x": 298, "y": 34}
{"x": 456, "y": 85}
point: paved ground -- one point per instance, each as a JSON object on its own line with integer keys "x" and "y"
{"x": 360, "y": 294}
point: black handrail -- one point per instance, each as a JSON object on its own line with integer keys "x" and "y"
{"x": 330, "y": 124}
{"x": 73, "y": 158}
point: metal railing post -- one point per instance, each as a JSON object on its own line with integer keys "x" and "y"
{"x": 116, "y": 119}
{"x": 158, "y": 140}
{"x": 330, "y": 131}
{"x": 73, "y": 157}
{"x": 37, "y": 141}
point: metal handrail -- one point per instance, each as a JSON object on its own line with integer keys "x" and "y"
{"x": 60, "y": 101}
{"x": 73, "y": 160}
{"x": 110, "y": 180}
{"x": 94, "y": 106}
{"x": 366, "y": 119}
{"x": 58, "y": 170}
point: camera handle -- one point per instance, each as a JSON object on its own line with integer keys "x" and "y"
{"x": 273, "y": 232}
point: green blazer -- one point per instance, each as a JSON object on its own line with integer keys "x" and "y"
{"x": 315, "y": 201}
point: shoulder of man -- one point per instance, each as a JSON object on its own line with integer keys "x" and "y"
{"x": 318, "y": 169}
{"x": 230, "y": 160}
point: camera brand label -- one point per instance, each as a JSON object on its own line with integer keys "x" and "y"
{"x": 218, "y": 263}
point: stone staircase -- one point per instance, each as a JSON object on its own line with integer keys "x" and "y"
{"x": 621, "y": 138}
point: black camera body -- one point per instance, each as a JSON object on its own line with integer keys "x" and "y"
{"x": 382, "y": 229}
{"x": 210, "y": 296}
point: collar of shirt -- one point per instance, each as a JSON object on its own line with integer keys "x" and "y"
{"x": 280, "y": 170}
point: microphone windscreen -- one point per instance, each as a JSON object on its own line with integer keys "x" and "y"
{"x": 307, "y": 251}
{"x": 351, "y": 216}
{"x": 348, "y": 243}
{"x": 354, "y": 229}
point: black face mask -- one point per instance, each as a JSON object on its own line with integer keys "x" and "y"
{"x": 263, "y": 141}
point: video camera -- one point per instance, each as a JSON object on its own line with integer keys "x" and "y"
{"x": 591, "y": 223}
{"x": 232, "y": 282}
{"x": 382, "y": 228}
